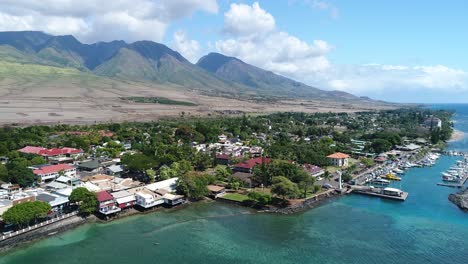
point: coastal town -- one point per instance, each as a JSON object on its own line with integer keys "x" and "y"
{"x": 281, "y": 163}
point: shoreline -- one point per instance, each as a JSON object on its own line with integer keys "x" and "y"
{"x": 457, "y": 135}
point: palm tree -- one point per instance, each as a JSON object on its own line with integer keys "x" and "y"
{"x": 327, "y": 176}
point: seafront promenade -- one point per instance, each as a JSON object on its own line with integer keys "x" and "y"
{"x": 37, "y": 226}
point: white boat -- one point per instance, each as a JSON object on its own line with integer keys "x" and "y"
{"x": 380, "y": 181}
{"x": 398, "y": 171}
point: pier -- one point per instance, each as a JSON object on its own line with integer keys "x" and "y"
{"x": 378, "y": 192}
{"x": 455, "y": 185}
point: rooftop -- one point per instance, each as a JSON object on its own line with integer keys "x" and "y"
{"x": 338, "y": 155}
{"x": 52, "y": 169}
{"x": 249, "y": 164}
{"x": 104, "y": 196}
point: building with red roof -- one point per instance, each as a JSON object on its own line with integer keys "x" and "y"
{"x": 339, "y": 159}
{"x": 54, "y": 152}
{"x": 248, "y": 165}
{"x": 51, "y": 172}
{"x": 106, "y": 203}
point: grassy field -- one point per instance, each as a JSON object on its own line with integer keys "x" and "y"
{"x": 236, "y": 197}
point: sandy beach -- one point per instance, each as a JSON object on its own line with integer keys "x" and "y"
{"x": 457, "y": 136}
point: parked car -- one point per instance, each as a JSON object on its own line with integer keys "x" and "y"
{"x": 327, "y": 186}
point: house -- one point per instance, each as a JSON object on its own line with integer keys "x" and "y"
{"x": 313, "y": 170}
{"x": 215, "y": 190}
{"x": 223, "y": 159}
{"x": 106, "y": 203}
{"x": 381, "y": 158}
{"x": 146, "y": 198}
{"x": 93, "y": 165}
{"x": 51, "y": 172}
{"x": 115, "y": 170}
{"x": 54, "y": 152}
{"x": 173, "y": 199}
{"x": 10, "y": 188}
{"x": 124, "y": 199}
{"x": 168, "y": 185}
{"x": 248, "y": 165}
{"x": 56, "y": 201}
{"x": 339, "y": 159}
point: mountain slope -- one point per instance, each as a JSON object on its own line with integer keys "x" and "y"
{"x": 237, "y": 71}
{"x": 150, "y": 62}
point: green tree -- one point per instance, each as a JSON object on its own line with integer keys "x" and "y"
{"x": 306, "y": 184}
{"x": 202, "y": 161}
{"x": 38, "y": 160}
{"x": 367, "y": 162}
{"x": 327, "y": 176}
{"x": 260, "y": 199}
{"x": 3, "y": 173}
{"x": 20, "y": 174}
{"x": 222, "y": 172}
{"x": 151, "y": 175}
{"x": 85, "y": 199}
{"x": 283, "y": 187}
{"x": 193, "y": 185}
{"x": 23, "y": 214}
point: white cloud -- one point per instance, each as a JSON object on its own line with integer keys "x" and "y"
{"x": 190, "y": 49}
{"x": 245, "y": 20}
{"x": 92, "y": 20}
{"x": 278, "y": 51}
{"x": 261, "y": 44}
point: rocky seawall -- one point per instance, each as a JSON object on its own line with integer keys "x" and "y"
{"x": 46, "y": 231}
{"x": 460, "y": 199}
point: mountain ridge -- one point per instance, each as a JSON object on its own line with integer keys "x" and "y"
{"x": 148, "y": 61}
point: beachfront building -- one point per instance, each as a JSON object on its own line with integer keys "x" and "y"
{"x": 124, "y": 199}
{"x": 49, "y": 173}
{"x": 339, "y": 159}
{"x": 216, "y": 190}
{"x": 146, "y": 198}
{"x": 173, "y": 199}
{"x": 106, "y": 203}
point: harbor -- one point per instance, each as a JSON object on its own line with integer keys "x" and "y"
{"x": 382, "y": 181}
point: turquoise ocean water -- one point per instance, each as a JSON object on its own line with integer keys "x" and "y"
{"x": 426, "y": 228}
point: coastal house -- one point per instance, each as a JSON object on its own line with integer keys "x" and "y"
{"x": 339, "y": 159}
{"x": 248, "y": 165}
{"x": 173, "y": 199}
{"x": 146, "y": 198}
{"x": 215, "y": 190}
{"x": 56, "y": 201}
{"x": 106, "y": 203}
{"x": 51, "y": 172}
{"x": 169, "y": 185}
{"x": 124, "y": 199}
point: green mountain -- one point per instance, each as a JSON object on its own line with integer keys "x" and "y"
{"x": 237, "y": 71}
{"x": 147, "y": 61}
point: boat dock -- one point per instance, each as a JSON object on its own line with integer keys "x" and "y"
{"x": 377, "y": 192}
{"x": 455, "y": 185}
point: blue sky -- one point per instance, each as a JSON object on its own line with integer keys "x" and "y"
{"x": 406, "y": 51}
